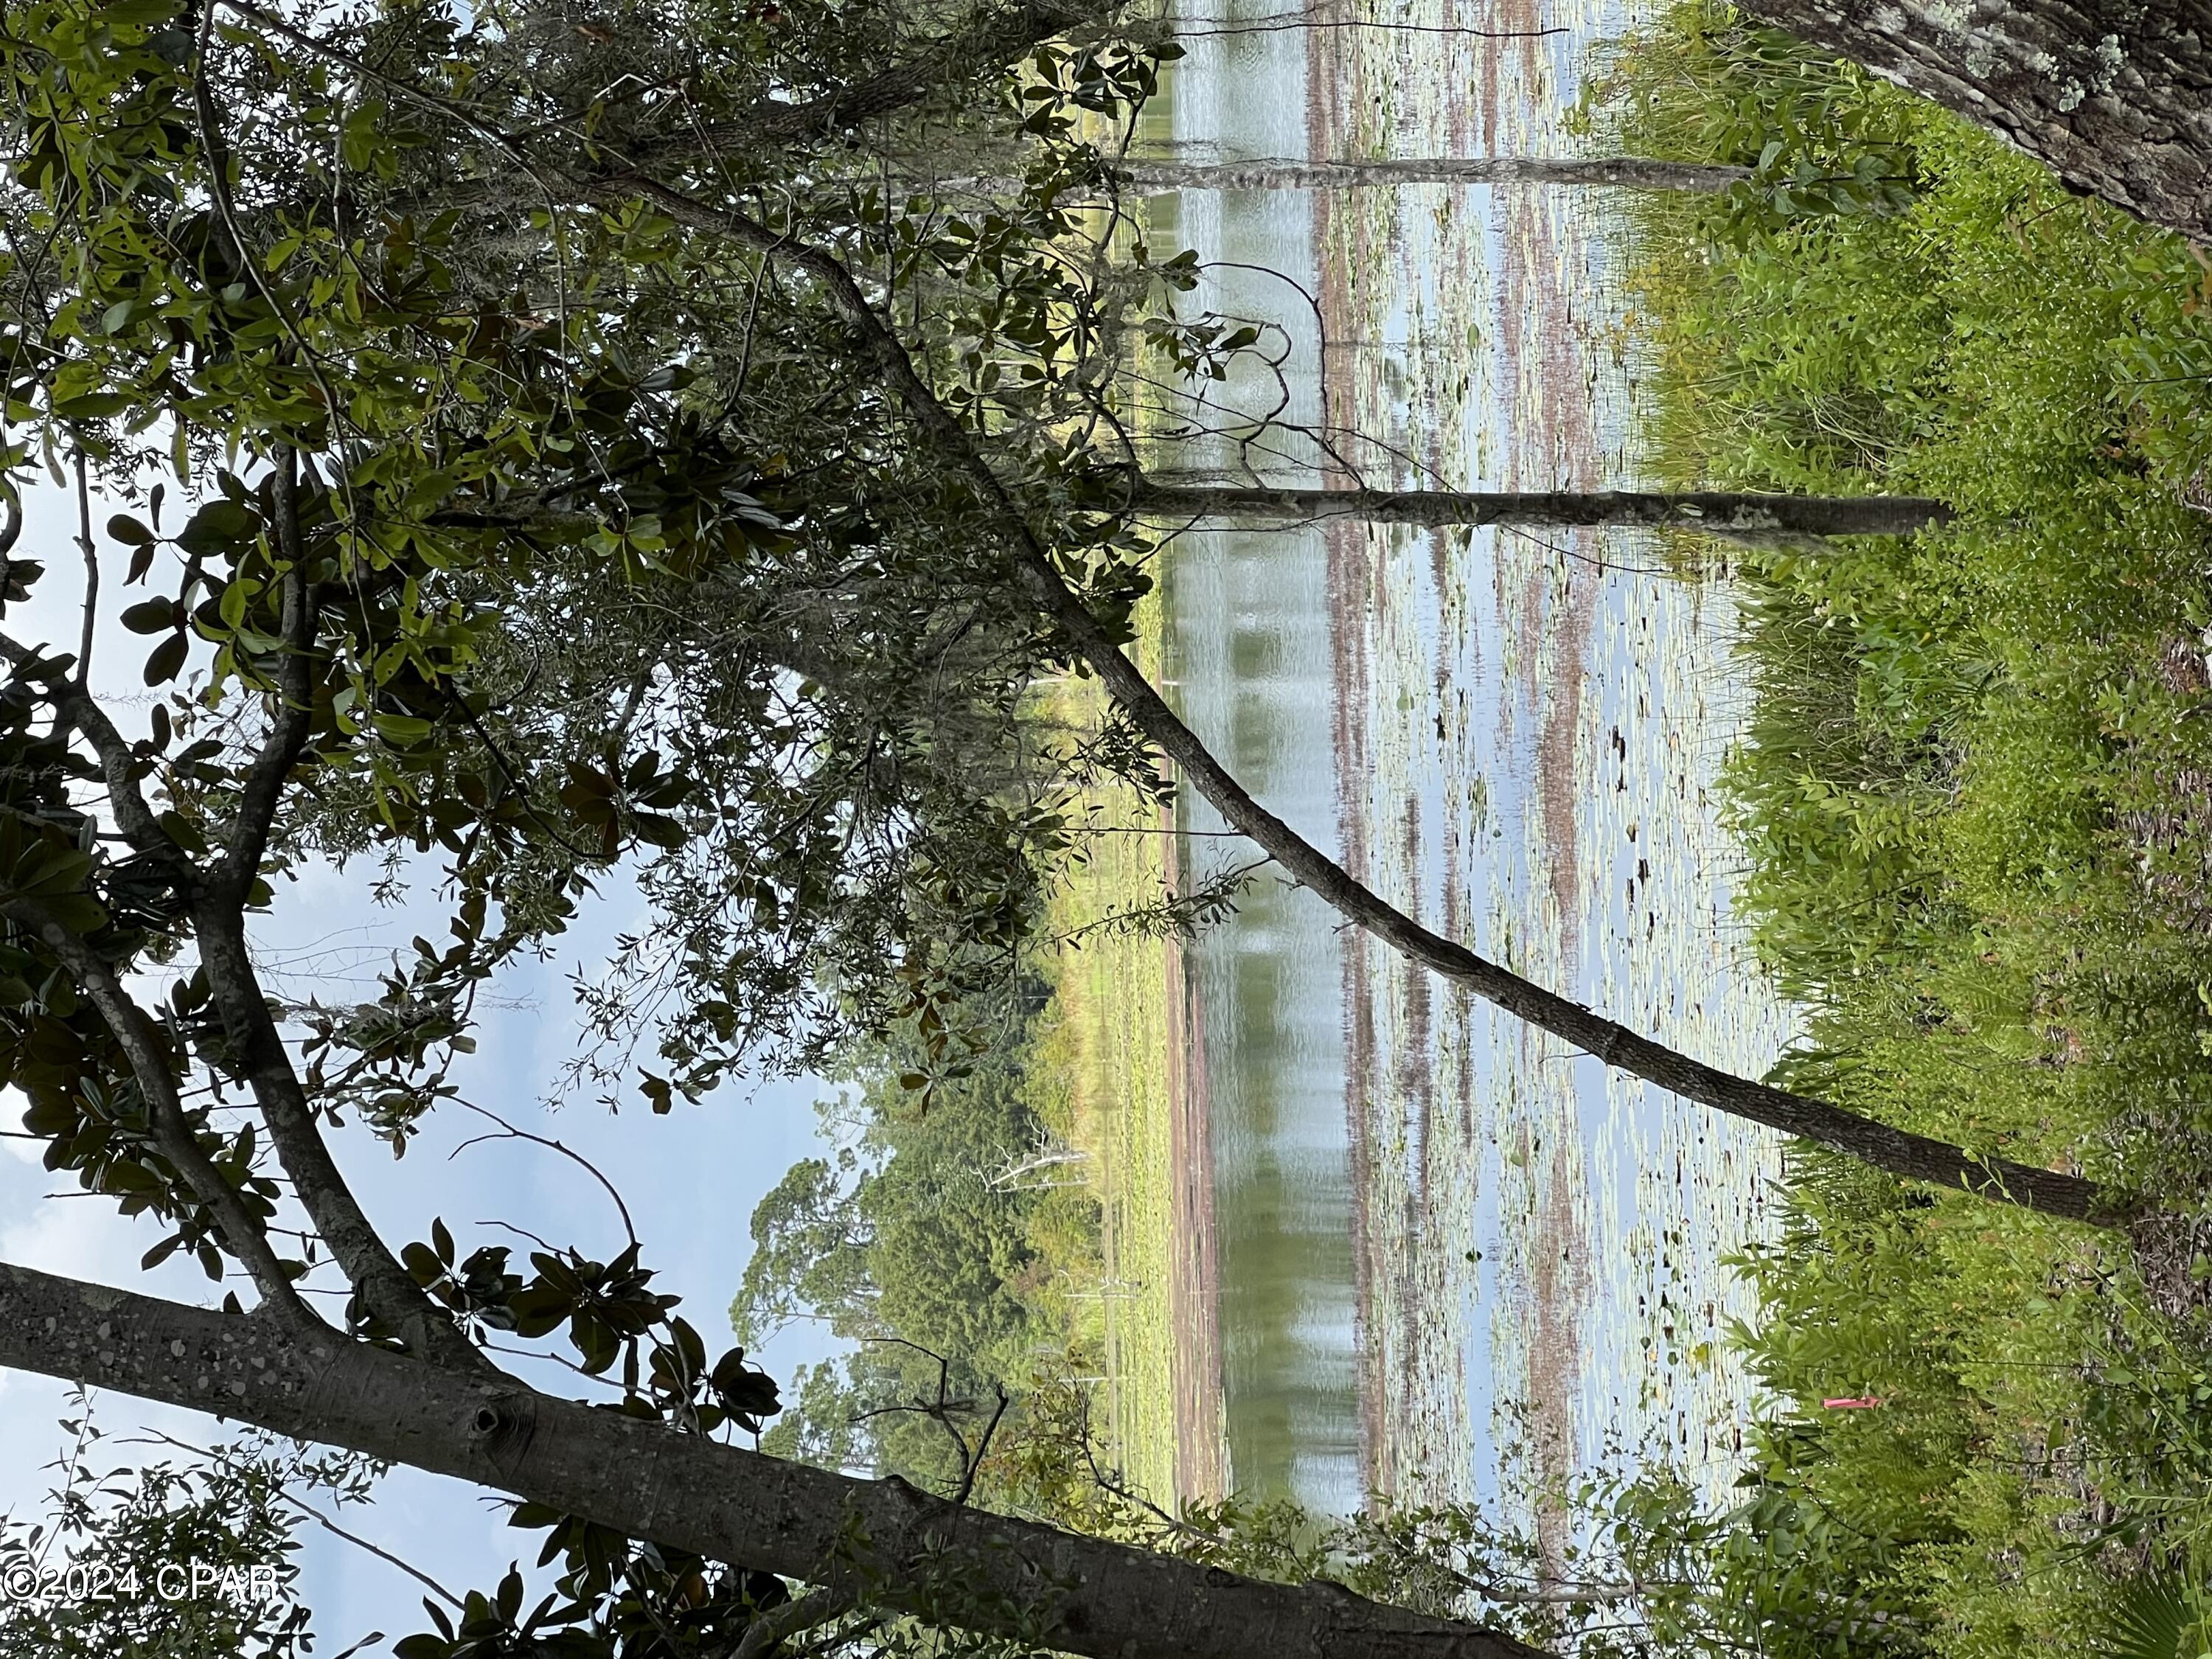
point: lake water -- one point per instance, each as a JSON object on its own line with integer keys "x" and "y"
{"x": 1455, "y": 1260}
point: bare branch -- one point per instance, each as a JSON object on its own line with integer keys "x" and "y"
{"x": 1150, "y": 177}
{"x": 91, "y": 551}
{"x": 508, "y": 1131}
{"x": 1634, "y": 172}
{"x": 376, "y": 1550}
{"x": 1735, "y": 514}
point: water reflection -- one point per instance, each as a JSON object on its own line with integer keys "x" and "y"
{"x": 1447, "y": 1248}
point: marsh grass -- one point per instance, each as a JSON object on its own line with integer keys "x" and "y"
{"x": 1974, "y": 791}
{"x": 1109, "y": 1047}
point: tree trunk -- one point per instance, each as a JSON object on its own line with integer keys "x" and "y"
{"x": 884, "y": 1540}
{"x": 1635, "y": 172}
{"x": 2114, "y": 96}
{"x": 1917, "y": 1158}
{"x": 1720, "y": 513}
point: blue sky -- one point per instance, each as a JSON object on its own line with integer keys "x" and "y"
{"x": 690, "y": 1179}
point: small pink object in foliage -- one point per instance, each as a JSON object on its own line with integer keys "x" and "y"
{"x": 1864, "y": 1402}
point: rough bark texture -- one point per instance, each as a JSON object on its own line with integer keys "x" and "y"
{"x": 1636, "y": 172}
{"x": 902, "y": 1546}
{"x": 1722, "y": 513}
{"x": 2114, "y": 97}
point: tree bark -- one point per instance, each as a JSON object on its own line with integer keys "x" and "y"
{"x": 893, "y": 1545}
{"x": 2114, "y": 96}
{"x": 1635, "y": 172}
{"x": 1718, "y": 512}
{"x": 289, "y": 1115}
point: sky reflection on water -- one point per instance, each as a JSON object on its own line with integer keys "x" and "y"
{"x": 1452, "y": 1255}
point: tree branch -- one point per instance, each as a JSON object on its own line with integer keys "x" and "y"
{"x": 374, "y": 1549}
{"x": 883, "y": 1542}
{"x": 1718, "y": 513}
{"x": 1633, "y": 172}
{"x": 142, "y": 1046}
{"x": 793, "y": 1618}
{"x": 263, "y": 792}
{"x": 91, "y": 551}
{"x": 390, "y": 1292}
{"x": 1149, "y": 177}
{"x": 79, "y": 711}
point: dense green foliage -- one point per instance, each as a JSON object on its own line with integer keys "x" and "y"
{"x": 922, "y": 1241}
{"x": 181, "y": 1557}
{"x": 498, "y": 472}
{"x": 1973, "y": 790}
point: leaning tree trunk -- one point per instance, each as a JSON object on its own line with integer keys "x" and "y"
{"x": 2115, "y": 96}
{"x": 882, "y": 1540}
{"x": 1749, "y": 516}
{"x": 1917, "y": 1156}
{"x": 1634, "y": 172}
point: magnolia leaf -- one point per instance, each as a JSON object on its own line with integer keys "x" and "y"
{"x": 218, "y": 524}
{"x": 166, "y": 658}
{"x": 403, "y": 731}
{"x": 78, "y": 911}
{"x": 152, "y": 616}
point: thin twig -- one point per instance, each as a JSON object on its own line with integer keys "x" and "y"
{"x": 589, "y": 1167}
{"x": 91, "y": 575}
{"x": 376, "y": 1550}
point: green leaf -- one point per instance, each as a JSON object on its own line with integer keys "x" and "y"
{"x": 166, "y": 658}
{"x": 152, "y": 616}
{"x": 77, "y": 912}
{"x": 181, "y": 829}
{"x": 218, "y": 524}
{"x": 138, "y": 14}
{"x": 403, "y": 731}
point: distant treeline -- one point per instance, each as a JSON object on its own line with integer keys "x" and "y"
{"x": 921, "y": 1237}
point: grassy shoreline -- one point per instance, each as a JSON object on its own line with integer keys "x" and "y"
{"x": 1120, "y": 1044}
{"x": 1974, "y": 801}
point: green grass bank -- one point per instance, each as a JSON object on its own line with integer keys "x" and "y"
{"x": 1975, "y": 797}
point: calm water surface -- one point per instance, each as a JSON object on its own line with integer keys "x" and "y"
{"x": 1455, "y": 1260}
